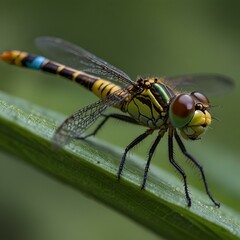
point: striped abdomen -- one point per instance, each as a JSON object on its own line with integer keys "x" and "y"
{"x": 98, "y": 86}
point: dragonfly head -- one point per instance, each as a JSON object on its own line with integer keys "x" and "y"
{"x": 189, "y": 113}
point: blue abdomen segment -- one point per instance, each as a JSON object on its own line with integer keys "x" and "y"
{"x": 33, "y": 61}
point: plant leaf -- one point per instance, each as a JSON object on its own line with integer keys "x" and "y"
{"x": 91, "y": 166}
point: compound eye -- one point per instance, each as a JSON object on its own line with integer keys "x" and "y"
{"x": 181, "y": 110}
{"x": 200, "y": 98}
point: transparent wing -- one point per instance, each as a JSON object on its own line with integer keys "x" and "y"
{"x": 209, "y": 84}
{"x": 76, "y": 57}
{"x": 75, "y": 125}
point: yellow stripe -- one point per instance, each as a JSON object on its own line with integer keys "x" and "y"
{"x": 75, "y": 75}
{"x": 60, "y": 68}
{"x": 19, "y": 56}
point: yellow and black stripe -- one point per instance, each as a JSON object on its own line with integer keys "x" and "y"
{"x": 98, "y": 86}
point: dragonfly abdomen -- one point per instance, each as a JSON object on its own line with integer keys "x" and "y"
{"x": 36, "y": 62}
{"x": 99, "y": 87}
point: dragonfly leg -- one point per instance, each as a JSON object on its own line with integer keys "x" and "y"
{"x": 150, "y": 154}
{"x": 129, "y": 147}
{"x": 179, "y": 169}
{"x": 106, "y": 117}
{"x": 198, "y": 165}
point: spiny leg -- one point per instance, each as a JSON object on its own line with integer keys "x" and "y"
{"x": 179, "y": 169}
{"x": 198, "y": 165}
{"x": 129, "y": 147}
{"x": 106, "y": 117}
{"x": 150, "y": 154}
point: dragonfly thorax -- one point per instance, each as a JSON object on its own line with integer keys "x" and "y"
{"x": 149, "y": 107}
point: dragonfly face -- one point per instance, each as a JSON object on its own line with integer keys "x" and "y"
{"x": 190, "y": 113}
{"x": 154, "y": 103}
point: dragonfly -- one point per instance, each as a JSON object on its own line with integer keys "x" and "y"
{"x": 168, "y": 105}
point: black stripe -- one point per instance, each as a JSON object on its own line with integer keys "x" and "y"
{"x": 110, "y": 90}
{"x": 67, "y": 73}
{"x": 85, "y": 81}
{"x": 100, "y": 86}
{"x": 50, "y": 67}
{"x": 105, "y": 87}
{"x": 28, "y": 59}
{"x": 145, "y": 100}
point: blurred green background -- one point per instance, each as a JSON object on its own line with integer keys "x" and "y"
{"x": 142, "y": 38}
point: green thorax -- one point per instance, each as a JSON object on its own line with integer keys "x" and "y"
{"x": 150, "y": 106}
